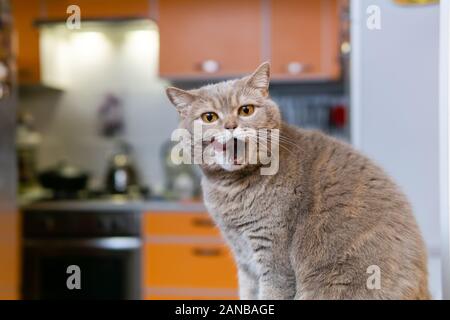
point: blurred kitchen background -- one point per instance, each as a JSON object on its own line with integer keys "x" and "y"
{"x": 85, "y": 121}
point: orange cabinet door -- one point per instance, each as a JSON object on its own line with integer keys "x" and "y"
{"x": 209, "y": 38}
{"x": 9, "y": 255}
{"x": 57, "y": 9}
{"x": 201, "y": 295}
{"x": 179, "y": 224}
{"x": 305, "y": 39}
{"x": 188, "y": 266}
{"x": 27, "y": 40}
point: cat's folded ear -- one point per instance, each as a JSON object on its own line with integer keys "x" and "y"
{"x": 260, "y": 79}
{"x": 181, "y": 99}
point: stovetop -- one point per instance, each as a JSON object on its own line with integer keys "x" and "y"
{"x": 72, "y": 223}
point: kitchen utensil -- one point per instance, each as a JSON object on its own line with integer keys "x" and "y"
{"x": 65, "y": 180}
{"x": 122, "y": 176}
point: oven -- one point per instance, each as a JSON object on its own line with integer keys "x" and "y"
{"x": 81, "y": 254}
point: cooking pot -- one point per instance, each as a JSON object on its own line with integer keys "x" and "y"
{"x": 65, "y": 180}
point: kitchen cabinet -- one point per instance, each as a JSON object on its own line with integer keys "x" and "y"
{"x": 202, "y": 38}
{"x": 305, "y": 39}
{"x": 217, "y": 39}
{"x": 9, "y": 255}
{"x": 208, "y": 39}
{"x": 186, "y": 258}
{"x": 188, "y": 264}
{"x": 26, "y": 40}
{"x": 168, "y": 296}
{"x": 56, "y": 9}
{"x": 26, "y": 13}
{"x": 180, "y": 224}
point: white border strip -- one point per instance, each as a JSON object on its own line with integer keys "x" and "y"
{"x": 355, "y": 70}
{"x": 444, "y": 147}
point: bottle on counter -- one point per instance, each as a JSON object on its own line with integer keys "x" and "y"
{"x": 27, "y": 144}
{"x": 122, "y": 176}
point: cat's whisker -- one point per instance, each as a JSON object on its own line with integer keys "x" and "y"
{"x": 265, "y": 144}
{"x": 289, "y": 141}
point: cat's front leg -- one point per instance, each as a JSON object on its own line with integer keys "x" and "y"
{"x": 248, "y": 285}
{"x": 273, "y": 286}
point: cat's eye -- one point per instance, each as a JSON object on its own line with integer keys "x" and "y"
{"x": 246, "y": 110}
{"x": 210, "y": 117}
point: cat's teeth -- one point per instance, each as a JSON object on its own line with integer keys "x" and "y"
{"x": 219, "y": 147}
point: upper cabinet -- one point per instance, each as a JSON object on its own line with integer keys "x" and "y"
{"x": 26, "y": 13}
{"x": 57, "y": 9}
{"x": 26, "y": 40}
{"x": 220, "y": 39}
{"x": 204, "y": 38}
{"x": 305, "y": 39}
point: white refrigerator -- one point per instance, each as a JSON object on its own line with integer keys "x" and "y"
{"x": 395, "y": 113}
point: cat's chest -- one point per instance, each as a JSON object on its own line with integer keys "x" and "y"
{"x": 244, "y": 217}
{"x": 235, "y": 207}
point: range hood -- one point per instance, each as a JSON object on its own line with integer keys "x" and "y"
{"x": 65, "y": 52}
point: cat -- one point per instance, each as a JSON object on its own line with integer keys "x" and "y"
{"x": 329, "y": 224}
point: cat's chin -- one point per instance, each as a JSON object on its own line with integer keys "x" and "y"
{"x": 227, "y": 168}
{"x": 232, "y": 167}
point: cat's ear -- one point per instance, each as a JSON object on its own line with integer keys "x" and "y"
{"x": 181, "y": 99}
{"x": 260, "y": 79}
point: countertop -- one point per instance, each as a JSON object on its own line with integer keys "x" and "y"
{"x": 112, "y": 205}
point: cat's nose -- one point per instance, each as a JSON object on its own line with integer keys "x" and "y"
{"x": 230, "y": 125}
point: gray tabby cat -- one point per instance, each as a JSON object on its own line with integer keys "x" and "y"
{"x": 315, "y": 228}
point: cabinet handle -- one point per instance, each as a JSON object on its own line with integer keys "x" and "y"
{"x": 202, "y": 222}
{"x": 210, "y": 66}
{"x": 296, "y": 67}
{"x": 206, "y": 252}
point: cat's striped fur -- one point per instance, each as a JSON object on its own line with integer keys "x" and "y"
{"x": 312, "y": 230}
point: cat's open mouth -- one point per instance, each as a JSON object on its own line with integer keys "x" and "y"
{"x": 231, "y": 149}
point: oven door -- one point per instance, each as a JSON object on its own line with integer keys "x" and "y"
{"x": 109, "y": 268}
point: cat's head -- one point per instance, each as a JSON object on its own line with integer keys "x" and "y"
{"x": 230, "y": 113}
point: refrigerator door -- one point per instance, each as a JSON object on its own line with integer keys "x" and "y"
{"x": 395, "y": 119}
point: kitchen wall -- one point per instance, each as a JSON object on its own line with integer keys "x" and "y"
{"x": 121, "y": 59}
{"x": 88, "y": 65}
{"x": 395, "y": 105}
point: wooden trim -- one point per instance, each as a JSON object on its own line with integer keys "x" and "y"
{"x": 313, "y": 77}
{"x": 266, "y": 34}
{"x": 219, "y": 292}
{"x": 325, "y": 36}
{"x": 154, "y": 10}
{"x": 9, "y": 293}
{"x": 182, "y": 240}
{"x": 124, "y": 19}
{"x": 43, "y": 9}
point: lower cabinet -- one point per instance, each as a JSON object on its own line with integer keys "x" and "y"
{"x": 10, "y": 256}
{"x": 178, "y": 264}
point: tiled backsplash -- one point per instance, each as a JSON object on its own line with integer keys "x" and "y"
{"x": 316, "y": 112}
